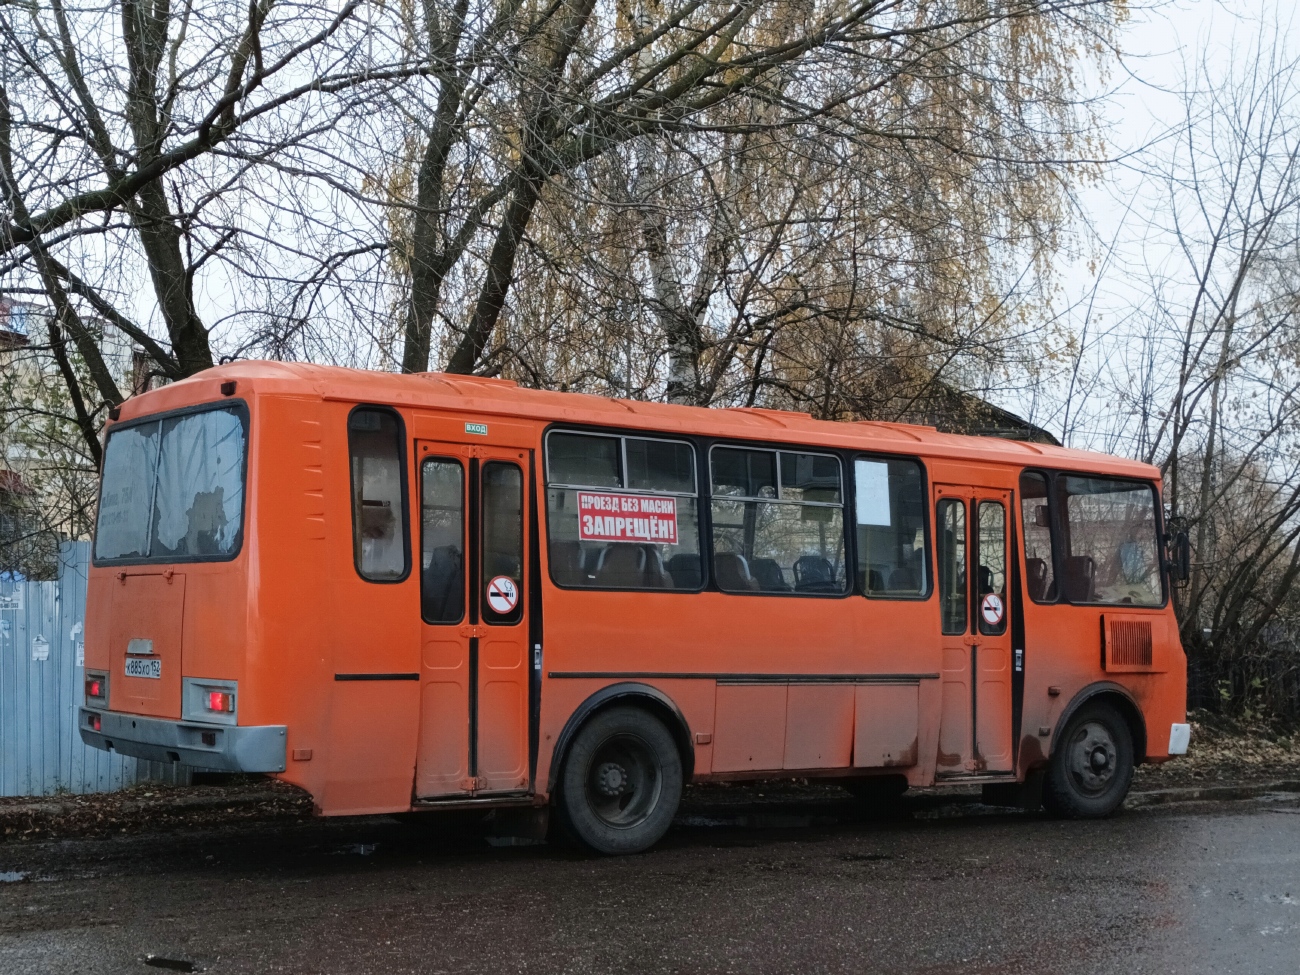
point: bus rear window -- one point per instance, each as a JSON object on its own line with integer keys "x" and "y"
{"x": 173, "y": 489}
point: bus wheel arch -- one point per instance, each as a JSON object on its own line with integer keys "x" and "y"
{"x": 636, "y": 694}
{"x": 620, "y": 777}
{"x": 1118, "y": 697}
{"x": 1094, "y": 754}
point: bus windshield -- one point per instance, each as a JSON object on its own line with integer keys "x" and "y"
{"x": 1112, "y": 552}
{"x": 173, "y": 488}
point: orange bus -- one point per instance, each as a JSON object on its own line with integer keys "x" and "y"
{"x": 422, "y": 592}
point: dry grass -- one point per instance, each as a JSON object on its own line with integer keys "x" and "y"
{"x": 1224, "y": 751}
{"x": 150, "y": 807}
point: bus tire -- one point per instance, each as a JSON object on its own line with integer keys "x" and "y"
{"x": 1091, "y": 767}
{"x": 621, "y": 782}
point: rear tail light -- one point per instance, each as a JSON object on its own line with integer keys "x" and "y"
{"x": 96, "y": 688}
{"x": 220, "y": 701}
{"x": 93, "y": 722}
{"x": 209, "y": 700}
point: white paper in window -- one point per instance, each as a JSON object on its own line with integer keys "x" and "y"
{"x": 199, "y": 500}
{"x": 873, "y": 492}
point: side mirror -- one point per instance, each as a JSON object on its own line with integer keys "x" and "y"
{"x": 1182, "y": 557}
{"x": 1040, "y": 517}
{"x": 1179, "y": 550}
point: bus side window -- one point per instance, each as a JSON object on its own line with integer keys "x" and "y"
{"x": 379, "y": 532}
{"x": 951, "y": 531}
{"x": 442, "y": 540}
{"x": 1036, "y": 525}
{"x": 622, "y": 512}
{"x": 890, "y": 514}
{"x": 778, "y": 522}
{"x": 503, "y": 538}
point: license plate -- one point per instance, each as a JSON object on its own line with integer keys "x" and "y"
{"x": 144, "y": 667}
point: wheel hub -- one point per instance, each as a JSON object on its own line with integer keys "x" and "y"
{"x": 624, "y": 781}
{"x": 1093, "y": 757}
{"x": 611, "y": 779}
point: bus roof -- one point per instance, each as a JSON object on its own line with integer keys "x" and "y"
{"x": 477, "y": 396}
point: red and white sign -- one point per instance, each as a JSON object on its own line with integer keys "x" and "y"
{"x": 626, "y": 518}
{"x": 502, "y": 595}
{"x": 991, "y": 609}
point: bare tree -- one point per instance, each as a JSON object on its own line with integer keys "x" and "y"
{"x": 834, "y": 207}
{"x": 1203, "y": 378}
{"x": 531, "y": 104}
{"x": 105, "y": 117}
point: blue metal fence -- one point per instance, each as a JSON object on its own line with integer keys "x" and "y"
{"x": 41, "y": 686}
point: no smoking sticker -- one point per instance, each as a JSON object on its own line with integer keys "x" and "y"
{"x": 991, "y": 609}
{"x": 503, "y": 595}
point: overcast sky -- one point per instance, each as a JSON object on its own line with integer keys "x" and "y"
{"x": 1118, "y": 248}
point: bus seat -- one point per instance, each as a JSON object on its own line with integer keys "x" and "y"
{"x": 917, "y": 563}
{"x": 656, "y": 577}
{"x": 875, "y": 580}
{"x": 591, "y": 556}
{"x": 566, "y": 563}
{"x": 621, "y": 566}
{"x": 903, "y": 579}
{"x": 733, "y": 572}
{"x": 767, "y": 573}
{"x": 443, "y": 585}
{"x": 1077, "y": 577}
{"x": 813, "y": 573}
{"x": 685, "y": 570}
{"x": 1036, "y": 579}
{"x": 501, "y": 565}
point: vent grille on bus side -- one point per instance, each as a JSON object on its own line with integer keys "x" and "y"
{"x": 1128, "y": 644}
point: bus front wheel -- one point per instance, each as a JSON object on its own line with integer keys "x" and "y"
{"x": 1091, "y": 767}
{"x": 621, "y": 782}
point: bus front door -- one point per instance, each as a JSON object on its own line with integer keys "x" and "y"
{"x": 974, "y": 600}
{"x": 474, "y": 656}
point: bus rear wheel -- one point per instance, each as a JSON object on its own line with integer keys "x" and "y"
{"x": 1091, "y": 767}
{"x": 621, "y": 782}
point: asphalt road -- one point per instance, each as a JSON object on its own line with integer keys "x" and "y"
{"x": 1186, "y": 890}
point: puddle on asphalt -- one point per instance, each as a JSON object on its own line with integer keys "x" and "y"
{"x": 172, "y": 964}
{"x": 708, "y": 821}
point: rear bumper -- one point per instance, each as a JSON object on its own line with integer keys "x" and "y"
{"x": 224, "y": 748}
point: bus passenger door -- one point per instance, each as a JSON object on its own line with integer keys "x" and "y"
{"x": 474, "y": 675}
{"x": 973, "y": 574}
